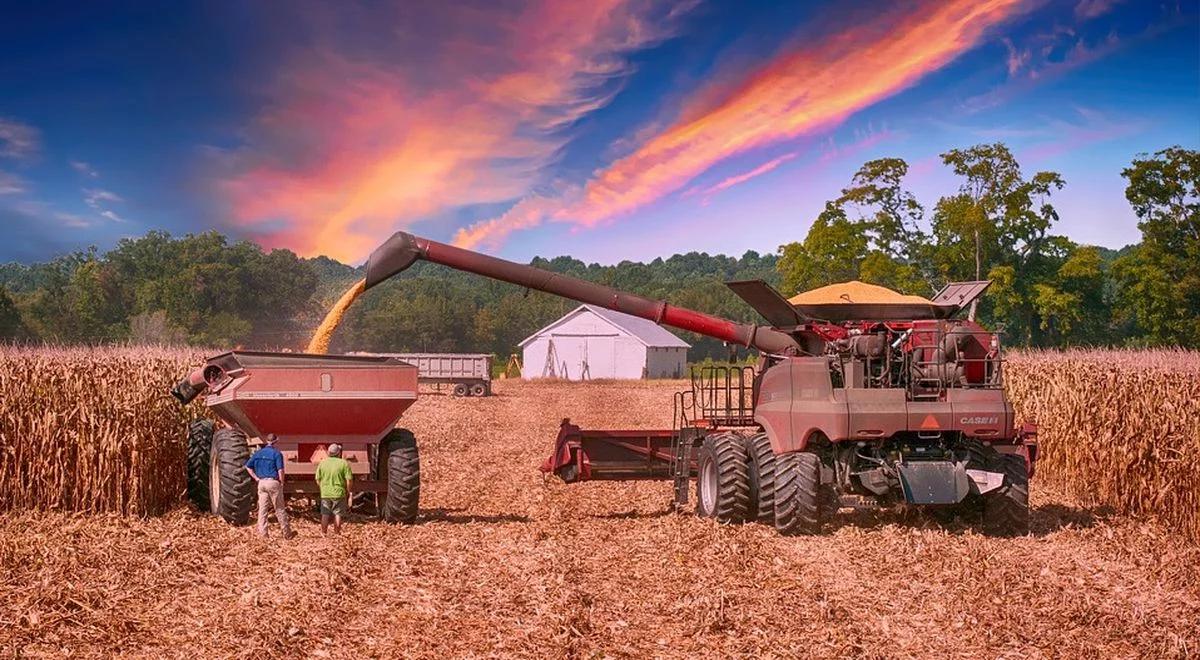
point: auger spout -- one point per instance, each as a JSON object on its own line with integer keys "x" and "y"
{"x": 402, "y": 250}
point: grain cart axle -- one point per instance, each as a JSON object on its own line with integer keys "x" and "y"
{"x": 852, "y": 404}
{"x": 309, "y": 402}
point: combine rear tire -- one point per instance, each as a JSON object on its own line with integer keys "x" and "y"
{"x": 400, "y": 464}
{"x": 762, "y": 478}
{"x": 231, "y": 493}
{"x": 199, "y": 446}
{"x": 799, "y": 505}
{"x": 1006, "y": 509}
{"x": 723, "y": 479}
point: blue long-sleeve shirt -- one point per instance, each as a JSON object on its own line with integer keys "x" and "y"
{"x": 267, "y": 463}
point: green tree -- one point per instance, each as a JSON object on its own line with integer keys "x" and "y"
{"x": 1159, "y": 282}
{"x": 998, "y": 218}
{"x": 10, "y": 317}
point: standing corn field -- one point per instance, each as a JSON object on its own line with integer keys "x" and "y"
{"x": 1117, "y": 428}
{"x": 91, "y": 429}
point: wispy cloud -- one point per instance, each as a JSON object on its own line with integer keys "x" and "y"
{"x": 98, "y": 200}
{"x": 706, "y": 194}
{"x": 1086, "y": 9}
{"x": 1090, "y": 127}
{"x": 350, "y": 148}
{"x": 18, "y": 141}
{"x": 802, "y": 91}
{"x": 11, "y": 184}
{"x": 84, "y": 169}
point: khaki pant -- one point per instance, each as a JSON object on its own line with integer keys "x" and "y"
{"x": 270, "y": 495}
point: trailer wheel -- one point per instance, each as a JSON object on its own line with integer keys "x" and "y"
{"x": 478, "y": 390}
{"x": 762, "y": 478}
{"x": 400, "y": 464}
{"x": 460, "y": 389}
{"x": 1006, "y": 509}
{"x": 231, "y": 493}
{"x": 199, "y": 446}
{"x": 723, "y": 479}
{"x": 799, "y": 505}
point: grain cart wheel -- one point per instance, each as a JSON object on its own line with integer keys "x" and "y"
{"x": 478, "y": 390}
{"x": 722, "y": 478}
{"x": 461, "y": 389}
{"x": 400, "y": 464}
{"x": 199, "y": 446}
{"x": 762, "y": 478}
{"x": 799, "y": 505}
{"x": 1006, "y": 509}
{"x": 231, "y": 488}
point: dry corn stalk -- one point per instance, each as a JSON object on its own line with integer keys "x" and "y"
{"x": 92, "y": 429}
{"x": 1117, "y": 428}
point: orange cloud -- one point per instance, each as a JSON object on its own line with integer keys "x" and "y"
{"x": 352, "y": 147}
{"x": 802, "y": 91}
{"x": 737, "y": 179}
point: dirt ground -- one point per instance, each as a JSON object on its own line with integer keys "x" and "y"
{"x": 506, "y": 563}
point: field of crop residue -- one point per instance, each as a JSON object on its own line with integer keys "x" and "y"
{"x": 505, "y": 563}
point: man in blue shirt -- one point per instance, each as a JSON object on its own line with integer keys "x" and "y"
{"x": 266, "y": 467}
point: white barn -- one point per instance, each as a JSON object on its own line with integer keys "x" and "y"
{"x": 592, "y": 342}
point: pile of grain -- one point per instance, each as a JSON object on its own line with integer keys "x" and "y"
{"x": 1117, "y": 428}
{"x": 92, "y": 430}
{"x": 855, "y": 292}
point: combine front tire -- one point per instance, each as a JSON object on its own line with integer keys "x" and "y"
{"x": 231, "y": 493}
{"x": 199, "y": 446}
{"x": 762, "y": 478}
{"x": 723, "y": 479}
{"x": 1006, "y": 509}
{"x": 799, "y": 505}
{"x": 400, "y": 464}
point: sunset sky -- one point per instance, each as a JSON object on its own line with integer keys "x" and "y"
{"x": 606, "y": 129}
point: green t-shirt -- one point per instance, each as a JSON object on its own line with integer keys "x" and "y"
{"x": 333, "y": 473}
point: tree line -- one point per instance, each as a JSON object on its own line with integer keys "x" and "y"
{"x": 999, "y": 224}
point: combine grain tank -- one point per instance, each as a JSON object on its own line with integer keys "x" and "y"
{"x": 851, "y": 405}
{"x": 309, "y": 402}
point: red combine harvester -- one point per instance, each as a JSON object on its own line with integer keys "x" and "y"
{"x": 851, "y": 405}
{"x": 308, "y": 401}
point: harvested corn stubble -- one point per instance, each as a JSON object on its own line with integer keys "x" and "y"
{"x": 506, "y": 563}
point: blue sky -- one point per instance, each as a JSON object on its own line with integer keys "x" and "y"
{"x": 615, "y": 129}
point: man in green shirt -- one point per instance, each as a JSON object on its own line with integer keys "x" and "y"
{"x": 334, "y": 476}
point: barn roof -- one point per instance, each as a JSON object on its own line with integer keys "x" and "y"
{"x": 647, "y": 332}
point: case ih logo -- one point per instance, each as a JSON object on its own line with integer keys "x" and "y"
{"x": 978, "y": 421}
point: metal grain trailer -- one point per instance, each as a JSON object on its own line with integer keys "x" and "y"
{"x": 309, "y": 402}
{"x": 468, "y": 374}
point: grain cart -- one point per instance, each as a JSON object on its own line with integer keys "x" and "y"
{"x": 308, "y": 401}
{"x": 851, "y": 405}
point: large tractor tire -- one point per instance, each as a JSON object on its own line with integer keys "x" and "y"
{"x": 800, "y": 506}
{"x": 723, "y": 478}
{"x": 762, "y": 478}
{"x": 231, "y": 492}
{"x": 400, "y": 465}
{"x": 1006, "y": 509}
{"x": 199, "y": 446}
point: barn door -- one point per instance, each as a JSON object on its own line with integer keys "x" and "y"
{"x": 599, "y": 358}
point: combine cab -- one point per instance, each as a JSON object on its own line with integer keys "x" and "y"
{"x": 308, "y": 401}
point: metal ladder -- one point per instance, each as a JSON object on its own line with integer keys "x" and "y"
{"x": 681, "y": 447}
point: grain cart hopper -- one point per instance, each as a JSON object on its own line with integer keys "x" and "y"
{"x": 308, "y": 401}
{"x": 851, "y": 405}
